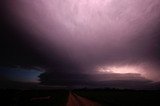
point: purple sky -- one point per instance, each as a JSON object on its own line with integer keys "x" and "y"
{"x": 103, "y": 39}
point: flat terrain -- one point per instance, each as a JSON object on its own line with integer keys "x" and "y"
{"x": 83, "y": 96}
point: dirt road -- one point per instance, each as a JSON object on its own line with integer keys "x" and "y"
{"x": 75, "y": 100}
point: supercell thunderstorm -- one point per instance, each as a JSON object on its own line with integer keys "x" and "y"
{"x": 115, "y": 36}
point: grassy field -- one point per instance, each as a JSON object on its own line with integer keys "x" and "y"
{"x": 59, "y": 97}
{"x": 27, "y": 97}
{"x": 122, "y": 97}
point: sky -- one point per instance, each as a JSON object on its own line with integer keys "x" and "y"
{"x": 83, "y": 42}
{"x": 19, "y": 74}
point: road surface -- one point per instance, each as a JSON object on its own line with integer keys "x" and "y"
{"x": 75, "y": 100}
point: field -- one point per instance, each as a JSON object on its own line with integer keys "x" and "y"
{"x": 105, "y": 97}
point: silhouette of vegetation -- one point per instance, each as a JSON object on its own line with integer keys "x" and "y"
{"x": 106, "y": 97}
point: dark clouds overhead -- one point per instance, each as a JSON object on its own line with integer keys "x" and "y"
{"x": 71, "y": 38}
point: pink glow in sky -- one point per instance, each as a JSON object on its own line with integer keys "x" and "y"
{"x": 125, "y": 69}
{"x": 91, "y": 32}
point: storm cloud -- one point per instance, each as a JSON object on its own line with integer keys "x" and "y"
{"x": 77, "y": 36}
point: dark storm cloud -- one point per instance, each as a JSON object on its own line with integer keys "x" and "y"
{"x": 77, "y": 36}
{"x": 92, "y": 45}
{"x": 70, "y": 79}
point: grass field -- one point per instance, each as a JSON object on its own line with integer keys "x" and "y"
{"x": 105, "y": 97}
